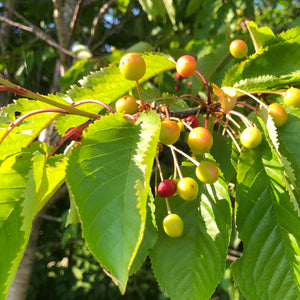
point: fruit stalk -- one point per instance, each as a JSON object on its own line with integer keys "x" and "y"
{"x": 29, "y": 114}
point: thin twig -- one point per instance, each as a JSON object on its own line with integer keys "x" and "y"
{"x": 35, "y": 30}
{"x": 97, "y": 19}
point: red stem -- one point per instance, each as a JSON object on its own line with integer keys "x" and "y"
{"x": 29, "y": 114}
{"x": 66, "y": 136}
{"x": 95, "y": 101}
{"x": 206, "y": 86}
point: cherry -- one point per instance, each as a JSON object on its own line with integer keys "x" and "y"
{"x": 200, "y": 140}
{"x": 173, "y": 225}
{"x": 207, "y": 172}
{"x": 292, "y": 97}
{"x": 278, "y": 114}
{"x": 187, "y": 188}
{"x": 166, "y": 188}
{"x": 192, "y": 121}
{"x": 186, "y": 65}
{"x": 77, "y": 135}
{"x": 238, "y": 49}
{"x": 169, "y": 132}
{"x": 132, "y": 66}
{"x": 251, "y": 137}
{"x": 127, "y": 105}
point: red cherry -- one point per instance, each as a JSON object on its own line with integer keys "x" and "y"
{"x": 193, "y": 121}
{"x": 76, "y": 136}
{"x": 166, "y": 188}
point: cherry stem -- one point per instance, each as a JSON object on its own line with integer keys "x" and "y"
{"x": 159, "y": 168}
{"x": 228, "y": 116}
{"x": 242, "y": 117}
{"x": 207, "y": 119}
{"x": 268, "y": 92}
{"x": 233, "y": 139}
{"x": 184, "y": 154}
{"x": 168, "y": 206}
{"x": 247, "y": 105}
{"x": 140, "y": 94}
{"x": 66, "y": 136}
{"x": 206, "y": 86}
{"x": 176, "y": 162}
{"x": 186, "y": 125}
{"x": 225, "y": 124}
{"x": 29, "y": 114}
{"x": 251, "y": 96}
{"x": 10, "y": 87}
{"x": 105, "y": 105}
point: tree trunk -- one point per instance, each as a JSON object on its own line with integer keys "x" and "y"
{"x": 5, "y": 32}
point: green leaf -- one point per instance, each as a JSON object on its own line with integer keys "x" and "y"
{"x": 260, "y": 35}
{"x": 288, "y": 143}
{"x": 28, "y": 130}
{"x": 149, "y": 238}
{"x": 109, "y": 85}
{"x": 108, "y": 178}
{"x": 269, "y": 228}
{"x": 159, "y": 8}
{"x": 262, "y": 70}
{"x": 26, "y": 183}
{"x": 191, "y": 266}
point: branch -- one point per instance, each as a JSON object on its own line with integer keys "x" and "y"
{"x": 97, "y": 19}
{"x": 74, "y": 20}
{"x": 38, "y": 33}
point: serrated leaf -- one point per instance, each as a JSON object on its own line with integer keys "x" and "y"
{"x": 269, "y": 228}
{"x": 108, "y": 178}
{"x": 28, "y": 130}
{"x": 149, "y": 238}
{"x": 259, "y": 35}
{"x": 25, "y": 186}
{"x": 190, "y": 267}
{"x": 287, "y": 136}
{"x": 109, "y": 85}
{"x": 268, "y": 127}
{"x": 261, "y": 71}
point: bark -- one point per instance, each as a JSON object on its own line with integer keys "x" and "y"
{"x": 5, "y": 32}
{"x": 65, "y": 15}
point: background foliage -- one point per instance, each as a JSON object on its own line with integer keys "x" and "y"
{"x": 201, "y": 28}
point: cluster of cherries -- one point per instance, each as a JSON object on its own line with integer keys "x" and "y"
{"x": 132, "y": 67}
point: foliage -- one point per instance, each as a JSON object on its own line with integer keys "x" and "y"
{"x": 111, "y": 174}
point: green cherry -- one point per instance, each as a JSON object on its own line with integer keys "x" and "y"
{"x": 292, "y": 97}
{"x": 251, "y": 137}
{"x": 132, "y": 66}
{"x": 169, "y": 132}
{"x": 207, "y": 172}
{"x": 173, "y": 225}
{"x": 187, "y": 188}
{"x": 238, "y": 49}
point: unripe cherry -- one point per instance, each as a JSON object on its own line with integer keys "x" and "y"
{"x": 169, "y": 132}
{"x": 127, "y": 105}
{"x": 251, "y": 137}
{"x": 207, "y": 172}
{"x": 200, "y": 140}
{"x": 187, "y": 188}
{"x": 186, "y": 65}
{"x": 238, "y": 49}
{"x": 132, "y": 66}
{"x": 166, "y": 188}
{"x": 292, "y": 97}
{"x": 278, "y": 113}
{"x": 173, "y": 225}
